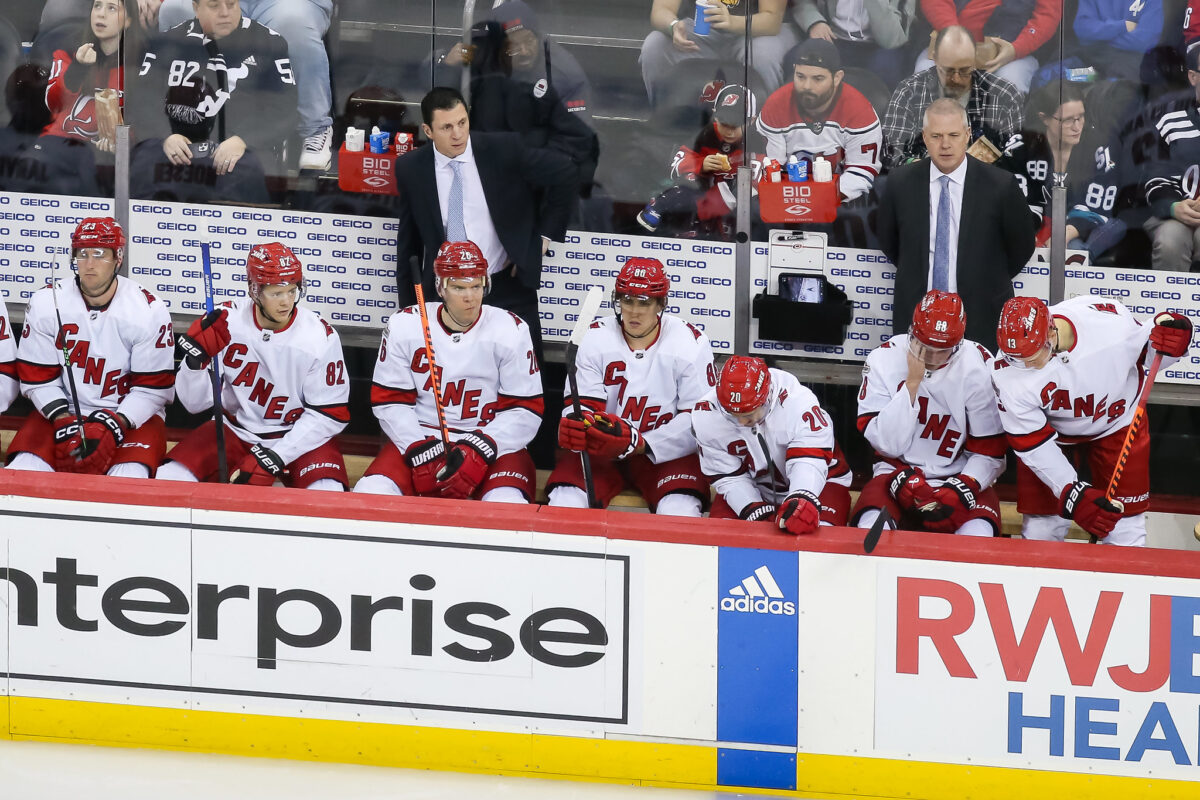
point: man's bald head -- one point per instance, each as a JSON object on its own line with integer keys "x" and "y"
{"x": 954, "y": 59}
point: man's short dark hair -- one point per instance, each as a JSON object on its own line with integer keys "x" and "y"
{"x": 440, "y": 98}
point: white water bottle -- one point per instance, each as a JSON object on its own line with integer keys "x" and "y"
{"x": 822, "y": 170}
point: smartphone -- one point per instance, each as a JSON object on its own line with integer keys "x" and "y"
{"x": 801, "y": 288}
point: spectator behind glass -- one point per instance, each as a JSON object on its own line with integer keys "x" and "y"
{"x": 870, "y": 34}
{"x": 993, "y": 104}
{"x": 1115, "y": 34}
{"x": 673, "y": 41}
{"x": 1171, "y": 188}
{"x": 86, "y": 94}
{"x": 59, "y": 11}
{"x": 303, "y": 25}
{"x": 1008, "y": 32}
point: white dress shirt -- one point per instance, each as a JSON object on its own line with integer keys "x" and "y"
{"x": 957, "y": 178}
{"x": 476, "y": 216}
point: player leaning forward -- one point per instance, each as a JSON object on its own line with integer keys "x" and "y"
{"x": 284, "y": 388}
{"x": 1068, "y": 386}
{"x": 769, "y": 449}
{"x": 491, "y": 393}
{"x": 9, "y": 385}
{"x": 928, "y": 408}
{"x": 640, "y": 373}
{"x": 117, "y": 341}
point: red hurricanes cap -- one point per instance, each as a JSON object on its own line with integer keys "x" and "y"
{"x": 98, "y": 232}
{"x": 744, "y": 384}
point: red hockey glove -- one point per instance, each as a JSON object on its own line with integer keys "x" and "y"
{"x": 1090, "y": 509}
{"x": 205, "y": 337}
{"x": 103, "y": 432}
{"x": 959, "y": 494}
{"x": 68, "y": 442}
{"x": 756, "y": 512}
{"x": 800, "y": 513}
{"x": 611, "y": 437}
{"x": 260, "y": 468}
{"x": 466, "y": 465}
{"x": 912, "y": 492}
{"x": 1171, "y": 334}
{"x": 425, "y": 458}
{"x": 572, "y": 431}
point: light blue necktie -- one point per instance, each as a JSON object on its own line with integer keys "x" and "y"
{"x": 941, "y": 240}
{"x": 456, "y": 228}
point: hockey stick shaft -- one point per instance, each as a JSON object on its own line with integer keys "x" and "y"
{"x": 215, "y": 373}
{"x": 1139, "y": 415}
{"x": 61, "y": 343}
{"x": 872, "y": 537}
{"x": 414, "y": 265}
{"x": 589, "y": 482}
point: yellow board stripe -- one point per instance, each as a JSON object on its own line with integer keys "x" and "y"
{"x": 538, "y": 755}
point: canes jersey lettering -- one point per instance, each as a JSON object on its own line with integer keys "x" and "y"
{"x": 490, "y": 379}
{"x": 288, "y": 387}
{"x": 9, "y": 384}
{"x": 954, "y": 425}
{"x": 122, "y": 355}
{"x": 791, "y": 449}
{"x": 1082, "y": 394}
{"x": 654, "y": 389}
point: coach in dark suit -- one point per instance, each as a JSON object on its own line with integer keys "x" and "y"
{"x": 951, "y": 222}
{"x": 483, "y": 187}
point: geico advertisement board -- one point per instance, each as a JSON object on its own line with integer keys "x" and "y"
{"x": 1056, "y": 670}
{"x": 275, "y": 614}
{"x": 35, "y": 233}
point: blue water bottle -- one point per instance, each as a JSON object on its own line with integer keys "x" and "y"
{"x": 701, "y": 26}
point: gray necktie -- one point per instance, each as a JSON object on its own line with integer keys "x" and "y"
{"x": 456, "y": 228}
{"x": 941, "y": 240}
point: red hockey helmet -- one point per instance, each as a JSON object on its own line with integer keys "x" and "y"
{"x": 744, "y": 385}
{"x": 1024, "y": 328}
{"x": 98, "y": 232}
{"x": 461, "y": 261}
{"x": 938, "y": 320}
{"x": 272, "y": 264}
{"x": 643, "y": 277}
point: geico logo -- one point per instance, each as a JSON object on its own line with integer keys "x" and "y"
{"x": 710, "y": 312}
{"x": 714, "y": 249}
{"x": 177, "y": 226}
{"x": 340, "y": 238}
{"x": 370, "y": 302}
{"x": 687, "y": 295}
{"x": 862, "y": 352}
{"x": 661, "y": 246}
{"x": 1109, "y": 291}
{"x": 1185, "y": 279}
{"x": 388, "y": 288}
{"x": 760, "y": 251}
{"x": 306, "y": 251}
{"x": 240, "y": 245}
{"x": 229, "y": 230}
{"x": 195, "y": 243}
{"x": 349, "y": 316}
{"x": 338, "y": 268}
{"x": 604, "y": 273}
{"x": 579, "y": 254}
{"x": 1086, "y": 274}
{"x": 378, "y": 273}
{"x": 177, "y": 289}
{"x": 192, "y": 211}
{"x": 33, "y": 233}
{"x": 166, "y": 273}
{"x": 351, "y": 254}
{"x": 37, "y": 201}
{"x": 547, "y": 315}
{"x": 271, "y": 233}
{"x": 16, "y": 279}
{"x": 351, "y": 285}
{"x": 192, "y": 305}
{"x": 84, "y": 205}
{"x": 574, "y": 286}
{"x": 297, "y": 219}
{"x": 1034, "y": 269}
{"x": 570, "y": 238}
{"x": 859, "y": 335}
{"x": 547, "y": 284}
{"x": 767, "y": 344}
{"x": 1141, "y": 309}
{"x": 760, "y": 282}
{"x": 17, "y": 248}
{"x": 1152, "y": 295}
{"x": 885, "y": 306}
{"x": 378, "y": 241}
{"x": 234, "y": 261}
{"x": 320, "y": 298}
{"x": 850, "y": 273}
{"x": 312, "y": 283}
{"x": 704, "y": 280}
{"x": 146, "y": 208}
{"x": 389, "y": 257}
{"x": 719, "y": 344}
{"x": 1128, "y": 277}
{"x": 257, "y": 216}
{"x": 833, "y": 255}
{"x": 566, "y": 270}
{"x": 351, "y": 223}
{"x": 3, "y": 262}
{"x": 816, "y": 348}
{"x": 391, "y": 226}
{"x": 873, "y": 259}
{"x": 25, "y": 262}
{"x": 685, "y": 262}
{"x": 51, "y": 219}
{"x": 872, "y": 321}
{"x": 556, "y": 332}
{"x": 195, "y": 273}
{"x": 888, "y": 276}
{"x": 219, "y": 291}
{"x": 672, "y": 309}
{"x": 561, "y": 301}
{"x": 1188, "y": 374}
{"x": 609, "y": 242}
{"x": 875, "y": 290}
{"x": 17, "y": 216}
{"x": 182, "y": 257}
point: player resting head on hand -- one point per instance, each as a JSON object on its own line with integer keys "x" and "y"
{"x": 937, "y": 329}
{"x": 275, "y": 282}
{"x": 462, "y": 278}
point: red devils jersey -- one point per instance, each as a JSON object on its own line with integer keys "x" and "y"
{"x": 490, "y": 379}
{"x": 8, "y": 360}
{"x": 655, "y": 389}
{"x": 122, "y": 355}
{"x": 1191, "y": 23}
{"x": 288, "y": 388}
{"x": 953, "y": 426}
{"x": 74, "y": 108}
{"x": 687, "y": 162}
{"x": 1082, "y": 394}
{"x": 791, "y": 449}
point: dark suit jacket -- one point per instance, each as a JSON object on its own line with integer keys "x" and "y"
{"x": 995, "y": 240}
{"x": 510, "y": 174}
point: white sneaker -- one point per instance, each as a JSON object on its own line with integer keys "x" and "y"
{"x": 317, "y": 152}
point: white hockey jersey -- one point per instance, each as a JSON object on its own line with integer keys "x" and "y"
{"x": 490, "y": 379}
{"x": 122, "y": 355}
{"x": 788, "y": 451}
{"x": 954, "y": 425}
{"x": 9, "y": 384}
{"x": 1082, "y": 394}
{"x": 655, "y": 389}
{"x": 288, "y": 389}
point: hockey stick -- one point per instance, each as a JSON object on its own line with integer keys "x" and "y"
{"x": 587, "y": 313}
{"x": 61, "y": 343}
{"x": 414, "y": 265}
{"x": 876, "y": 530}
{"x": 215, "y": 374}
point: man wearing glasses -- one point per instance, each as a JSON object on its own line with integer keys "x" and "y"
{"x": 993, "y": 104}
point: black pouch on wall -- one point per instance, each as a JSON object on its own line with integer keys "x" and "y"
{"x": 783, "y": 320}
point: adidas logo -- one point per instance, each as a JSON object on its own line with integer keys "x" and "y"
{"x": 758, "y": 594}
